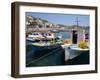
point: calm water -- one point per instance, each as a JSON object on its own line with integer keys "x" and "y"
{"x": 65, "y": 35}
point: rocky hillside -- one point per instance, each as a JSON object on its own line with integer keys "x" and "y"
{"x": 35, "y": 22}
{"x": 39, "y": 23}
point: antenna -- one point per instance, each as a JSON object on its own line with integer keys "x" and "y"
{"x": 77, "y": 21}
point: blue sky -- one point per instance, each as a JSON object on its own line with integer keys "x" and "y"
{"x": 66, "y": 19}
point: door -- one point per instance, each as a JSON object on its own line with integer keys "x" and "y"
{"x": 74, "y": 37}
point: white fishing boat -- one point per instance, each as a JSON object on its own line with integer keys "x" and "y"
{"x": 72, "y": 51}
{"x": 30, "y": 39}
{"x": 36, "y": 35}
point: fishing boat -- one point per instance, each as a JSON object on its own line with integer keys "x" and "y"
{"x": 30, "y": 39}
{"x": 72, "y": 51}
{"x": 44, "y": 55}
{"x": 44, "y": 37}
{"x": 35, "y": 35}
{"x": 76, "y": 51}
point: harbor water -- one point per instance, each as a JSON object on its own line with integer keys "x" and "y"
{"x": 64, "y": 35}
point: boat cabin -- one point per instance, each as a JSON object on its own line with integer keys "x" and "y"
{"x": 35, "y": 35}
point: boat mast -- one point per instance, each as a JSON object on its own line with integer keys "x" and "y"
{"x": 77, "y": 22}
